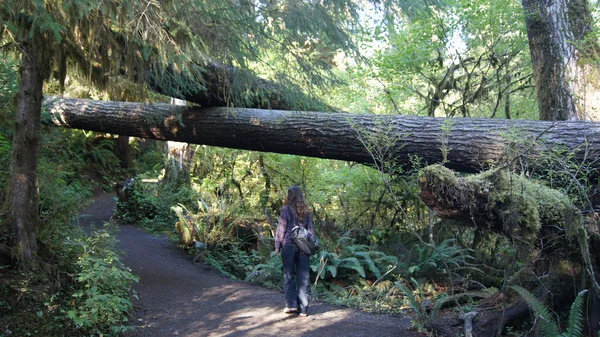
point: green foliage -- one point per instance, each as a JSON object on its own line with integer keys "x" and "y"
{"x": 547, "y": 321}
{"x": 9, "y": 85}
{"x": 213, "y": 225}
{"x": 268, "y": 273}
{"x": 138, "y": 206}
{"x": 458, "y": 58}
{"x": 427, "y": 261}
{"x": 5, "y": 152}
{"x": 149, "y": 204}
{"x": 102, "y": 153}
{"x": 231, "y": 261}
{"x": 426, "y": 310}
{"x": 349, "y": 261}
{"x": 102, "y": 299}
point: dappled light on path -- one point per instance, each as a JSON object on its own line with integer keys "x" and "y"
{"x": 180, "y": 298}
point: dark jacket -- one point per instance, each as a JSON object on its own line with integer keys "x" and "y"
{"x": 286, "y": 222}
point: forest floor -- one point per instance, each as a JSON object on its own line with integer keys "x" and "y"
{"x": 177, "y": 297}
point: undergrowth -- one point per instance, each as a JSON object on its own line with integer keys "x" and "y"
{"x": 78, "y": 287}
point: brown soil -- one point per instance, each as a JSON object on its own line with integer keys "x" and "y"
{"x": 180, "y": 298}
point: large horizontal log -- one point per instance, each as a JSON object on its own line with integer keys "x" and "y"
{"x": 471, "y": 144}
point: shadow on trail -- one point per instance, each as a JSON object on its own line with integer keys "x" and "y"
{"x": 180, "y": 298}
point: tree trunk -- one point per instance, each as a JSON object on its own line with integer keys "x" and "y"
{"x": 563, "y": 53}
{"x": 499, "y": 201}
{"x": 124, "y": 152}
{"x": 22, "y": 199}
{"x": 471, "y": 144}
{"x": 179, "y": 157}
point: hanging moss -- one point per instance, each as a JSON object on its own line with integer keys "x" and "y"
{"x": 499, "y": 200}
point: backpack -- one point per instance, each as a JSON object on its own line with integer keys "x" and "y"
{"x": 304, "y": 240}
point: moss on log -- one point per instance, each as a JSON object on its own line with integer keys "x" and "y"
{"x": 500, "y": 201}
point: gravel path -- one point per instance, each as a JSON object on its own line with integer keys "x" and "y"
{"x": 180, "y": 298}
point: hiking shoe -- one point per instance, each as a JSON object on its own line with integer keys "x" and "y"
{"x": 290, "y": 310}
{"x": 303, "y": 314}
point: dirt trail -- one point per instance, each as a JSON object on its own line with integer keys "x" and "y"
{"x": 180, "y": 298}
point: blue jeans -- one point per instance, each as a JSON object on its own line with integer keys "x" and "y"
{"x": 296, "y": 278}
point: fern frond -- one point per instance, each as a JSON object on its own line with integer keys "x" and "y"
{"x": 576, "y": 317}
{"x": 366, "y": 260}
{"x": 413, "y": 303}
{"x": 352, "y": 263}
{"x": 547, "y": 323}
{"x": 387, "y": 260}
{"x": 332, "y": 270}
{"x": 354, "y": 248}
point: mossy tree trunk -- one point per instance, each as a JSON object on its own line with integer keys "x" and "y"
{"x": 542, "y": 223}
{"x": 564, "y": 53}
{"x": 22, "y": 199}
{"x": 499, "y": 201}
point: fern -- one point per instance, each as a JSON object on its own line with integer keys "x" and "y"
{"x": 353, "y": 258}
{"x": 424, "y": 318}
{"x": 366, "y": 260}
{"x": 413, "y": 303}
{"x": 548, "y": 324}
{"x": 353, "y": 264}
{"x": 576, "y": 317}
{"x": 266, "y": 273}
{"x": 431, "y": 259}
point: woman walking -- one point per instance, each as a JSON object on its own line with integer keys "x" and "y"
{"x": 296, "y": 265}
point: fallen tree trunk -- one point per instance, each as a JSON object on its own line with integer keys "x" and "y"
{"x": 471, "y": 144}
{"x": 541, "y": 221}
{"x": 500, "y": 201}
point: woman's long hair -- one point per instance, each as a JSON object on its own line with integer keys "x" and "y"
{"x": 295, "y": 199}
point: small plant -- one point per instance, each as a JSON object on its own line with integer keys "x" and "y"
{"x": 430, "y": 260}
{"x": 102, "y": 301}
{"x": 445, "y": 129}
{"x": 426, "y": 309}
{"x": 351, "y": 261}
{"x": 268, "y": 273}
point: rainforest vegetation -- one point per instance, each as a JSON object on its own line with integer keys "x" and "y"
{"x": 447, "y": 149}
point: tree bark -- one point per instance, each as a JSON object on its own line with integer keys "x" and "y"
{"x": 471, "y": 144}
{"x": 563, "y": 53}
{"x": 124, "y": 152}
{"x": 22, "y": 199}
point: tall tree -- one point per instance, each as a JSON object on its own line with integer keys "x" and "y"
{"x": 563, "y": 53}
{"x": 172, "y": 44}
{"x": 459, "y": 58}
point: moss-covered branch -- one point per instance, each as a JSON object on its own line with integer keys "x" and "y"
{"x": 500, "y": 201}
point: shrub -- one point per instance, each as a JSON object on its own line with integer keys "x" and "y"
{"x": 102, "y": 298}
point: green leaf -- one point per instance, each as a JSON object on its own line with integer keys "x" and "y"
{"x": 547, "y": 322}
